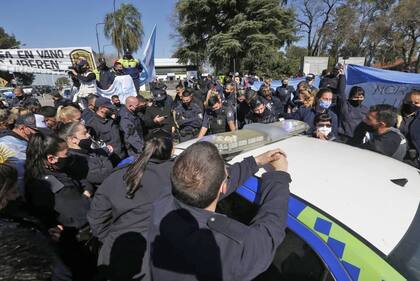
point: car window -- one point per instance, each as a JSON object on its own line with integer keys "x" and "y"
{"x": 294, "y": 259}
{"x": 406, "y": 256}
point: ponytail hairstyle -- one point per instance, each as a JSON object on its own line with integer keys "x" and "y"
{"x": 157, "y": 147}
{"x": 39, "y": 147}
{"x": 67, "y": 113}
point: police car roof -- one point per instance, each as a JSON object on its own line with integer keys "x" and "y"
{"x": 350, "y": 184}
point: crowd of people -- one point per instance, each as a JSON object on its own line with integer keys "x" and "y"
{"x": 154, "y": 216}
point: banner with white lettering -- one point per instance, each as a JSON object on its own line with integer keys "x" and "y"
{"x": 381, "y": 86}
{"x": 44, "y": 60}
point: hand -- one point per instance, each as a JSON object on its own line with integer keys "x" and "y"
{"x": 55, "y": 232}
{"x": 341, "y": 71}
{"x": 280, "y": 164}
{"x": 268, "y": 157}
{"x": 110, "y": 149}
{"x": 320, "y": 136}
{"x": 158, "y": 119}
{"x": 87, "y": 194}
{"x": 74, "y": 72}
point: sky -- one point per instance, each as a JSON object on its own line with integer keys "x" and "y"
{"x": 60, "y": 23}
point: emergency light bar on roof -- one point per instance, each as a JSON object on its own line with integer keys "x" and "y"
{"x": 255, "y": 135}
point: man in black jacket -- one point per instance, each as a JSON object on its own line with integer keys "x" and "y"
{"x": 131, "y": 126}
{"x": 190, "y": 241}
{"x": 159, "y": 115}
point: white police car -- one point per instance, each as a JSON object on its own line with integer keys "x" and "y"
{"x": 353, "y": 214}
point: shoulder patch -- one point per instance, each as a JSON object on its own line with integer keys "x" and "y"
{"x": 229, "y": 114}
{"x": 228, "y": 227}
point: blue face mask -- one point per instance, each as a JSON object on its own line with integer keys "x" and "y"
{"x": 324, "y": 104}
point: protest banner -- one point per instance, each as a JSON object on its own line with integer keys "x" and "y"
{"x": 381, "y": 86}
{"x": 44, "y": 60}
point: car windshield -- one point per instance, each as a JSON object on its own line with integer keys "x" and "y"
{"x": 406, "y": 256}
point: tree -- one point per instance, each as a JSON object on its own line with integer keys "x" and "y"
{"x": 124, "y": 28}
{"x": 10, "y": 42}
{"x": 406, "y": 27}
{"x": 233, "y": 35}
{"x": 315, "y": 15}
{"x": 62, "y": 81}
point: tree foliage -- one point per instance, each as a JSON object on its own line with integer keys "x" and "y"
{"x": 124, "y": 28}
{"x": 234, "y": 35}
{"x": 8, "y": 41}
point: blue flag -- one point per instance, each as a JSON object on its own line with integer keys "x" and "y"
{"x": 148, "y": 60}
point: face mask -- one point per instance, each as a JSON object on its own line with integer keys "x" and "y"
{"x": 85, "y": 144}
{"x": 117, "y": 104}
{"x": 62, "y": 163}
{"x": 324, "y": 130}
{"x": 285, "y": 85}
{"x": 355, "y": 102}
{"x": 19, "y": 97}
{"x": 324, "y": 104}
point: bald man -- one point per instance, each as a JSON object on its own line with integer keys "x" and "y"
{"x": 131, "y": 126}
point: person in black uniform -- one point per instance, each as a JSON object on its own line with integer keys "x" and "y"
{"x": 103, "y": 127}
{"x": 88, "y": 164}
{"x": 131, "y": 126}
{"x": 121, "y": 209}
{"x": 271, "y": 102}
{"x": 260, "y": 113}
{"x": 218, "y": 118}
{"x": 190, "y": 241}
{"x": 377, "y": 133}
{"x": 20, "y": 98}
{"x": 188, "y": 116}
{"x": 159, "y": 115}
{"x": 285, "y": 93}
{"x": 229, "y": 95}
{"x": 58, "y": 200}
{"x": 242, "y": 107}
{"x": 89, "y": 111}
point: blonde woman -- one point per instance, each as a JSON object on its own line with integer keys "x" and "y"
{"x": 68, "y": 114}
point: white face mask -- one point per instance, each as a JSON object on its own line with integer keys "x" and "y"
{"x": 324, "y": 130}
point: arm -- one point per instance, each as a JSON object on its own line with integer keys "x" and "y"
{"x": 240, "y": 173}
{"x": 267, "y": 229}
{"x": 232, "y": 126}
{"x": 131, "y": 136}
{"x": 202, "y": 132}
{"x": 91, "y": 76}
{"x": 100, "y": 215}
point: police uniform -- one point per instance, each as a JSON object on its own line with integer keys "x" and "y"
{"x": 274, "y": 105}
{"x": 266, "y": 117}
{"x": 108, "y": 131}
{"x": 189, "y": 119}
{"x": 132, "y": 131}
{"x": 162, "y": 108}
{"x": 217, "y": 121}
{"x": 188, "y": 243}
{"x": 116, "y": 220}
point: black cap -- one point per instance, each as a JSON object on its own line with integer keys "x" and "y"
{"x": 104, "y": 102}
{"x": 27, "y": 120}
{"x": 310, "y": 77}
{"x": 159, "y": 94}
{"x": 256, "y": 102}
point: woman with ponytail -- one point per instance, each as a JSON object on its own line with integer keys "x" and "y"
{"x": 59, "y": 201}
{"x": 121, "y": 209}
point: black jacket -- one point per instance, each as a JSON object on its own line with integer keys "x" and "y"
{"x": 161, "y": 110}
{"x": 55, "y": 198}
{"x": 113, "y": 217}
{"x": 108, "y": 131}
{"x": 349, "y": 116}
{"x": 189, "y": 243}
{"x": 131, "y": 127}
{"x": 92, "y": 166}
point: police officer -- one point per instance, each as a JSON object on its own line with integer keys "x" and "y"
{"x": 378, "y": 134}
{"x": 132, "y": 67}
{"x": 285, "y": 94}
{"x": 159, "y": 115}
{"x": 218, "y": 118}
{"x": 228, "y": 96}
{"x": 20, "y": 98}
{"x": 272, "y": 103}
{"x": 188, "y": 116}
{"x": 190, "y": 241}
{"x": 121, "y": 209}
{"x": 131, "y": 127}
{"x": 260, "y": 113}
{"x": 103, "y": 127}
